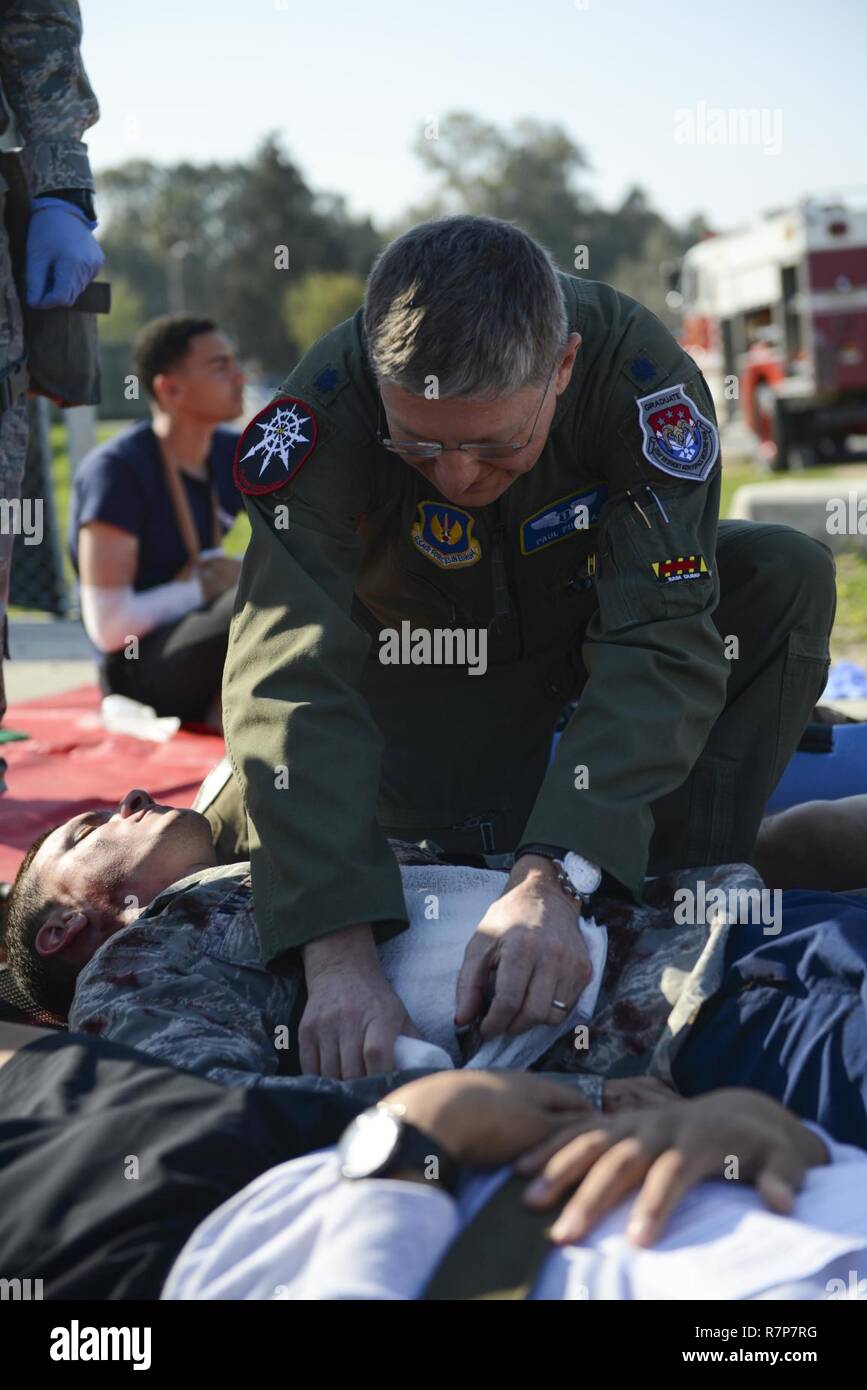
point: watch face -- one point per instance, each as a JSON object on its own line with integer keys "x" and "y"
{"x": 368, "y": 1143}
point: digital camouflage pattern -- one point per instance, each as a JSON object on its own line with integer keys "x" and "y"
{"x": 46, "y": 91}
{"x": 46, "y": 105}
{"x": 186, "y": 983}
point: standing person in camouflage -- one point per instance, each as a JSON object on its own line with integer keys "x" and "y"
{"x": 46, "y": 105}
{"x": 495, "y": 451}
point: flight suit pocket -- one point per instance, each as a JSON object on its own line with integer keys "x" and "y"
{"x": 627, "y": 589}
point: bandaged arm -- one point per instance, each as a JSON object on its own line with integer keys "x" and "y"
{"x": 112, "y": 615}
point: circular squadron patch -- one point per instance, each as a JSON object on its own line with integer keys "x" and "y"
{"x": 676, "y": 437}
{"x": 274, "y": 445}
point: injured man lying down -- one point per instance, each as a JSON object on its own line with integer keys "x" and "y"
{"x": 122, "y": 921}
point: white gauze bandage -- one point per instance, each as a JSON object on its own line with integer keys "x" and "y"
{"x": 112, "y": 616}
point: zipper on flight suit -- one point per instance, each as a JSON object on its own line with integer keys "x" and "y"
{"x": 502, "y": 599}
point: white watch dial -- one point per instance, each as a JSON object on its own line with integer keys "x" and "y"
{"x": 584, "y": 876}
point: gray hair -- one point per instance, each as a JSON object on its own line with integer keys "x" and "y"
{"x": 473, "y": 302}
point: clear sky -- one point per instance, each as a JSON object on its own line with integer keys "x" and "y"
{"x": 645, "y": 89}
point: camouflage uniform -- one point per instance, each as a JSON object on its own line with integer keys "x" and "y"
{"x": 187, "y": 984}
{"x": 46, "y": 104}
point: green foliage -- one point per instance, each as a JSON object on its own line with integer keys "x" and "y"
{"x": 127, "y": 314}
{"x": 532, "y": 175}
{"x": 319, "y": 302}
{"x": 208, "y": 238}
{"x": 216, "y": 238}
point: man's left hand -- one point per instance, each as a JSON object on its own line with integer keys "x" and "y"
{"x": 530, "y": 937}
{"x": 662, "y": 1152}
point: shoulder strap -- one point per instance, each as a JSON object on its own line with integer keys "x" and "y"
{"x": 500, "y": 1252}
{"x": 183, "y": 512}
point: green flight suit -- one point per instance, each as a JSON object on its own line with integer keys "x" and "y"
{"x": 333, "y": 749}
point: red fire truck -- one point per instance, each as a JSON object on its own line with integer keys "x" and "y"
{"x": 776, "y": 317}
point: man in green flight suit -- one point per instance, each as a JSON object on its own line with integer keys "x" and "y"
{"x": 497, "y": 464}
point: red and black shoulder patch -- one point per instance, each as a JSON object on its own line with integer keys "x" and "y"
{"x": 275, "y": 445}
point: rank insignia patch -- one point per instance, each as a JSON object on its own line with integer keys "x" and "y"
{"x": 274, "y": 445}
{"x": 445, "y": 535}
{"x": 676, "y": 437}
{"x": 684, "y": 567}
{"x": 563, "y": 518}
{"x": 643, "y": 368}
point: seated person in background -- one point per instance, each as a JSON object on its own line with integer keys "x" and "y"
{"x": 401, "y": 1210}
{"x": 149, "y": 510}
{"x": 126, "y": 912}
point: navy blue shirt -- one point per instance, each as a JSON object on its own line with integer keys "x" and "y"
{"x": 123, "y": 483}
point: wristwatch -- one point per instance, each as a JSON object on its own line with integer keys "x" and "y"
{"x": 578, "y": 877}
{"x": 380, "y": 1141}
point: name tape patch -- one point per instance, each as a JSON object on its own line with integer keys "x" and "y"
{"x": 561, "y": 519}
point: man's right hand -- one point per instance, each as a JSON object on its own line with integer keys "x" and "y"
{"x": 353, "y": 1016}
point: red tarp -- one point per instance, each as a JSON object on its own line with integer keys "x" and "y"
{"x": 71, "y": 764}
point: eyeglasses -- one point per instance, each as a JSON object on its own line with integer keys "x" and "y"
{"x": 423, "y": 449}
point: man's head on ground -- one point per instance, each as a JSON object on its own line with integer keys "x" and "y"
{"x": 86, "y": 879}
{"x": 468, "y": 337}
{"x": 189, "y": 369}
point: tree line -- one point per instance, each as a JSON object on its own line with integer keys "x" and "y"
{"x": 277, "y": 262}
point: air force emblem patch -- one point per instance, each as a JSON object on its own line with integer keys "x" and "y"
{"x": 676, "y": 437}
{"x": 445, "y": 535}
{"x": 274, "y": 445}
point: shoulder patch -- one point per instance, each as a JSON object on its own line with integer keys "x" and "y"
{"x": 274, "y": 446}
{"x": 676, "y": 437}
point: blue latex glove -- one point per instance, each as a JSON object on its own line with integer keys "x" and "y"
{"x": 63, "y": 255}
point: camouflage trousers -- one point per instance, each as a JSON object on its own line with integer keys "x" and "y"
{"x": 13, "y": 428}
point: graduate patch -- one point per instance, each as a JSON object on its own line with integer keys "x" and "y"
{"x": 684, "y": 567}
{"x": 676, "y": 437}
{"x": 561, "y": 519}
{"x": 274, "y": 445}
{"x": 445, "y": 535}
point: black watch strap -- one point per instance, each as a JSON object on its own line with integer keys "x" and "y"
{"x": 419, "y": 1151}
{"x": 544, "y": 851}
